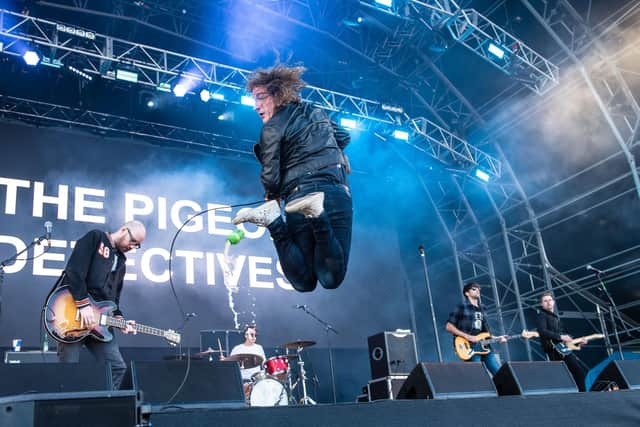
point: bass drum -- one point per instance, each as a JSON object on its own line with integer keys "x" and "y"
{"x": 268, "y": 392}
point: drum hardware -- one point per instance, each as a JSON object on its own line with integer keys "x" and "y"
{"x": 295, "y": 345}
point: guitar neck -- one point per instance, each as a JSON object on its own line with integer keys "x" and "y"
{"x": 494, "y": 340}
{"x": 122, "y": 323}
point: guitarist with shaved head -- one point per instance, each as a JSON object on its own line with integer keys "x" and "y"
{"x": 96, "y": 269}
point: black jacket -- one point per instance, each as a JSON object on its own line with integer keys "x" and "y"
{"x": 95, "y": 268}
{"x": 297, "y": 141}
{"x": 549, "y": 328}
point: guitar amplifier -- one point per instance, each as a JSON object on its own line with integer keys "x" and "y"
{"x": 31, "y": 357}
{"x": 392, "y": 353}
{"x": 385, "y": 388}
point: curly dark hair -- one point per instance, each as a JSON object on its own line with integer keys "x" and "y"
{"x": 282, "y": 83}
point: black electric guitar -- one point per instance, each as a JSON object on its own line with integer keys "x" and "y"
{"x": 62, "y": 320}
{"x": 565, "y": 348}
{"x": 466, "y": 349}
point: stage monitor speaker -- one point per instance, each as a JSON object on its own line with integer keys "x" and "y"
{"x": 447, "y": 380}
{"x": 392, "y": 353}
{"x": 207, "y": 383}
{"x": 624, "y": 373}
{"x": 95, "y": 409}
{"x": 22, "y": 378}
{"x": 531, "y": 378}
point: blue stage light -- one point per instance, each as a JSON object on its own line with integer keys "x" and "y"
{"x": 386, "y": 3}
{"x": 205, "y": 95}
{"x": 180, "y": 90}
{"x": 217, "y": 96}
{"x": 496, "y": 51}
{"x": 482, "y": 175}
{"x": 348, "y": 123}
{"x": 31, "y": 58}
{"x": 401, "y": 135}
{"x": 248, "y": 100}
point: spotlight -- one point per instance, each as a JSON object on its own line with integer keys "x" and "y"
{"x": 205, "y": 95}
{"x": 248, "y": 100}
{"x": 149, "y": 99}
{"x": 217, "y": 96}
{"x": 401, "y": 135}
{"x": 151, "y": 104}
{"x": 482, "y": 175}
{"x": 79, "y": 73}
{"x": 31, "y": 58}
{"x": 180, "y": 90}
{"x": 164, "y": 87}
{"x": 126, "y": 75}
{"x": 348, "y": 123}
{"x": 496, "y": 51}
{"x": 385, "y": 3}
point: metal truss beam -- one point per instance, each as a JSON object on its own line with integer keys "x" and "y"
{"x": 46, "y": 114}
{"x": 476, "y": 32}
{"x": 157, "y": 67}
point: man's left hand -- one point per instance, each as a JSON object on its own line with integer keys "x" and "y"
{"x": 130, "y": 327}
{"x": 503, "y": 338}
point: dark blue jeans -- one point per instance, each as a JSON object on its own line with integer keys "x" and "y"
{"x": 316, "y": 249}
{"x": 490, "y": 361}
{"x": 104, "y": 352}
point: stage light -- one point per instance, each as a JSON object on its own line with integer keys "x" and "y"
{"x": 79, "y": 73}
{"x": 248, "y": 100}
{"x": 217, "y": 96}
{"x": 482, "y": 175}
{"x": 164, "y": 87}
{"x": 126, "y": 75}
{"x": 31, "y": 58}
{"x": 401, "y": 135}
{"x": 205, "y": 95}
{"x": 496, "y": 51}
{"x": 348, "y": 123}
{"x": 386, "y": 3}
{"x": 151, "y": 104}
{"x": 180, "y": 90}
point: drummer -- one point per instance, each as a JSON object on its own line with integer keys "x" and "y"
{"x": 249, "y": 346}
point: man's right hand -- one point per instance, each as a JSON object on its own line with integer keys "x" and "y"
{"x": 87, "y": 318}
{"x": 473, "y": 339}
{"x": 566, "y": 338}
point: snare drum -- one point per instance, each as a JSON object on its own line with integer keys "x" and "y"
{"x": 277, "y": 366}
{"x": 268, "y": 392}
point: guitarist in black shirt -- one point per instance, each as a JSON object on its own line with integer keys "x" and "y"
{"x": 552, "y": 333}
{"x": 96, "y": 268}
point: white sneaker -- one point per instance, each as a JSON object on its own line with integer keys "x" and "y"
{"x": 311, "y": 205}
{"x": 263, "y": 215}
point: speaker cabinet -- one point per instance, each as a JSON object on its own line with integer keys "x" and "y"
{"x": 385, "y": 388}
{"x": 448, "y": 380}
{"x": 531, "y": 378}
{"x": 94, "y": 408}
{"x": 624, "y": 373}
{"x": 205, "y": 383}
{"x": 392, "y": 353}
{"x": 20, "y": 378}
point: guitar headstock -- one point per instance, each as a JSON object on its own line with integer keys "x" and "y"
{"x": 172, "y": 336}
{"x": 530, "y": 334}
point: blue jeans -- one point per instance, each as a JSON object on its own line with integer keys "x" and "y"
{"x": 490, "y": 361}
{"x": 315, "y": 250}
{"x": 104, "y": 352}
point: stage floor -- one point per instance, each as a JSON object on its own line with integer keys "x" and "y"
{"x": 621, "y": 408}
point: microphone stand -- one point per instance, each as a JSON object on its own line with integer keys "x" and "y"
{"x": 328, "y": 328}
{"x": 433, "y": 313}
{"x": 9, "y": 260}
{"x": 611, "y": 310}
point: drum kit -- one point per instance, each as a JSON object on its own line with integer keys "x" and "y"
{"x": 273, "y": 385}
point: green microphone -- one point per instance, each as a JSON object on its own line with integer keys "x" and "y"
{"x": 235, "y": 236}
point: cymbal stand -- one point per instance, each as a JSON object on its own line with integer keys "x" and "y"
{"x": 305, "y": 400}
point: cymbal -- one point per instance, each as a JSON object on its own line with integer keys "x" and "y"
{"x": 246, "y": 361}
{"x": 207, "y": 352}
{"x": 294, "y": 345}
